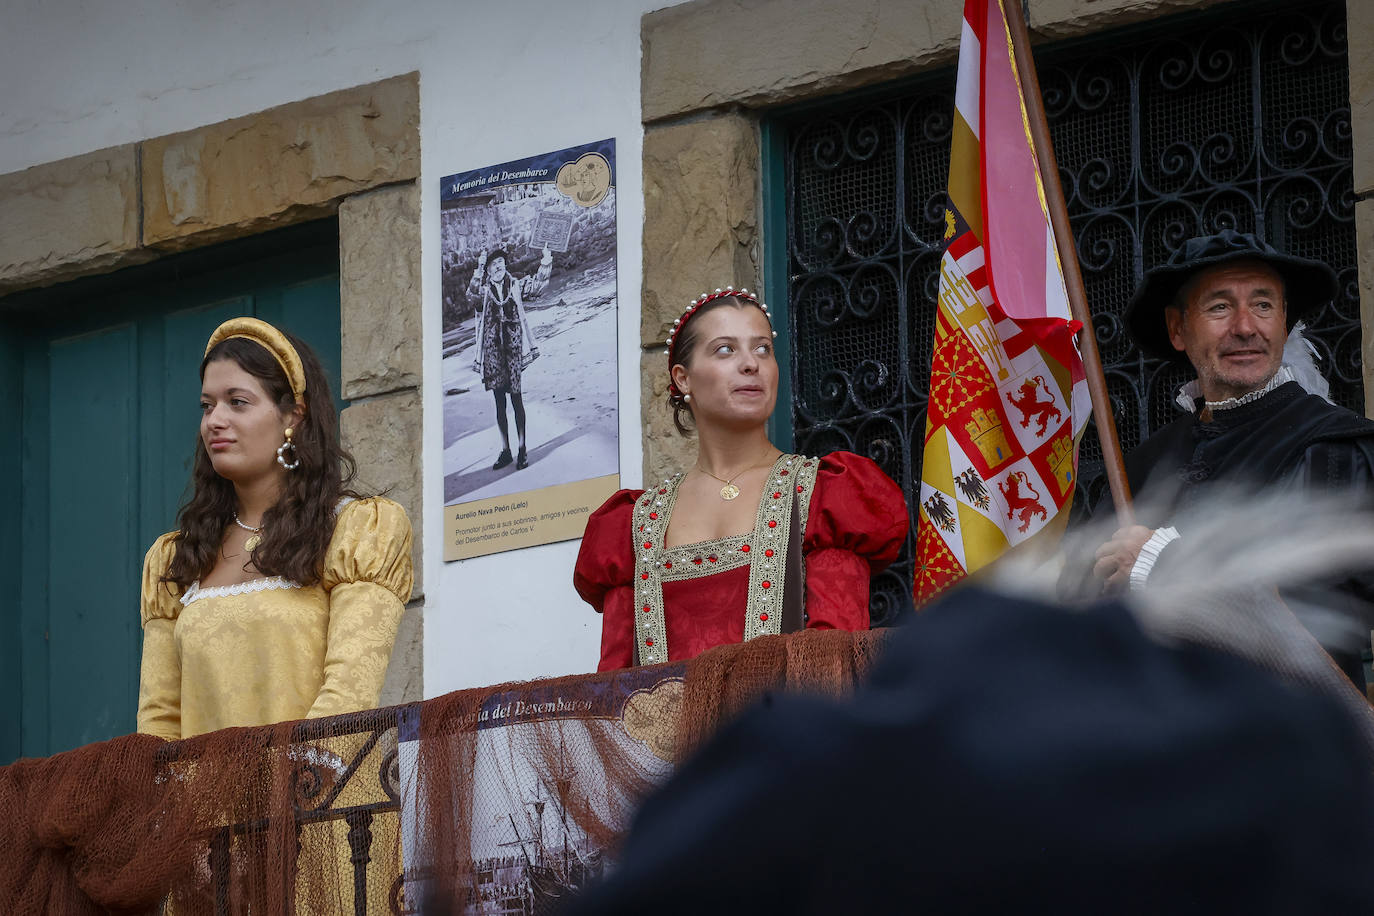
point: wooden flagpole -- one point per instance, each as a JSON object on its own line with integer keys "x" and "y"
{"x": 1068, "y": 257}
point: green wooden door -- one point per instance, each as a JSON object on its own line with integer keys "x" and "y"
{"x": 11, "y": 415}
{"x": 107, "y": 422}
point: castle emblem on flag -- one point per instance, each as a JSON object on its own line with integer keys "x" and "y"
{"x": 985, "y": 429}
{"x": 1061, "y": 463}
{"x": 1004, "y": 352}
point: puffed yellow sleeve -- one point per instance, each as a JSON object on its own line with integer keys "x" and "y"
{"x": 368, "y": 576}
{"x": 159, "y": 679}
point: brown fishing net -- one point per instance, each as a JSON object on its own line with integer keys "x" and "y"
{"x": 502, "y": 800}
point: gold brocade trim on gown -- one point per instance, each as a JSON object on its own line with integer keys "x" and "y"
{"x": 764, "y": 551}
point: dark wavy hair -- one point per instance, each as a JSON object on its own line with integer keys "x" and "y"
{"x": 297, "y": 530}
{"x": 686, "y": 342}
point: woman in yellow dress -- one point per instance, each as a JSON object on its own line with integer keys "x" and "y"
{"x": 279, "y": 595}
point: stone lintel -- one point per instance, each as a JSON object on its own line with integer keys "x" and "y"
{"x": 379, "y": 290}
{"x": 1056, "y": 19}
{"x": 81, "y": 216}
{"x": 70, "y": 218}
{"x": 289, "y": 216}
{"x": 384, "y": 434}
{"x": 712, "y": 53}
{"x": 249, "y": 173}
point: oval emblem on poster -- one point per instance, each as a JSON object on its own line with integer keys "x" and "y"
{"x": 587, "y": 181}
{"x": 651, "y": 717}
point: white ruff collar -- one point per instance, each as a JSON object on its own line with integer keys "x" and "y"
{"x": 1299, "y": 365}
{"x": 1189, "y": 393}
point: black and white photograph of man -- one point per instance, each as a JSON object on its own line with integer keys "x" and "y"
{"x": 529, "y": 359}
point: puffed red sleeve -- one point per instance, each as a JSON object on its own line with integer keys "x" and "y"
{"x": 855, "y": 528}
{"x": 604, "y": 577}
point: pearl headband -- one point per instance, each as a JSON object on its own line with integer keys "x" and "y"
{"x": 270, "y": 339}
{"x": 693, "y": 306}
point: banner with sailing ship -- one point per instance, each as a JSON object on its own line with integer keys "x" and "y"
{"x": 556, "y": 773}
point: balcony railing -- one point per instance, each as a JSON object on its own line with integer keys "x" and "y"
{"x": 504, "y": 799}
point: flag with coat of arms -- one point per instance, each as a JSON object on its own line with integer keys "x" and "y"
{"x": 1008, "y": 397}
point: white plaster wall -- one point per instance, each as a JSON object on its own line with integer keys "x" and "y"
{"x": 498, "y": 81}
{"x": 568, "y": 74}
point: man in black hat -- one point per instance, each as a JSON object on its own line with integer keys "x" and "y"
{"x": 1228, "y": 303}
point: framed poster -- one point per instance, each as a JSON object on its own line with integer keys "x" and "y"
{"x": 531, "y": 442}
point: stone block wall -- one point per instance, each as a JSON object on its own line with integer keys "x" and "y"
{"x": 709, "y": 68}
{"x": 279, "y": 166}
{"x": 701, "y": 230}
{"x": 1359, "y": 29}
{"x": 355, "y": 152}
{"x": 380, "y": 306}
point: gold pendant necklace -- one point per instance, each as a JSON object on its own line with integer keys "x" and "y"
{"x": 254, "y": 534}
{"x": 729, "y": 491}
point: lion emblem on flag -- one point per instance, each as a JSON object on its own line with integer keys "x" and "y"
{"x": 1024, "y": 506}
{"x": 1032, "y": 407}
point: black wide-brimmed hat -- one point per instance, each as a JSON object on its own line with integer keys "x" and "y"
{"x": 1308, "y": 284}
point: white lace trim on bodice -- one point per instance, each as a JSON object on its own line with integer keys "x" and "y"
{"x": 195, "y": 592}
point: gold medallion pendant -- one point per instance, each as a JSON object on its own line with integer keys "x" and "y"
{"x": 254, "y": 534}
{"x": 729, "y": 491}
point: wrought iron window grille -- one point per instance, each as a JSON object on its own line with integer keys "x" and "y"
{"x": 1193, "y": 124}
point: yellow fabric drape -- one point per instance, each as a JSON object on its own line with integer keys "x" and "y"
{"x": 269, "y": 651}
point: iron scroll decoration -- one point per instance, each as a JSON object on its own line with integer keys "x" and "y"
{"x": 1200, "y": 123}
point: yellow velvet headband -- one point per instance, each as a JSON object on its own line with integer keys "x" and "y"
{"x": 274, "y": 341}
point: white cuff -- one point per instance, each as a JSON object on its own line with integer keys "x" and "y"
{"x": 1149, "y": 555}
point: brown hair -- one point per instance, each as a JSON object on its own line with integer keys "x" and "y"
{"x": 684, "y": 343}
{"x": 297, "y": 529}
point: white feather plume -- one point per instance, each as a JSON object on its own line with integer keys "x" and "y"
{"x": 1300, "y": 356}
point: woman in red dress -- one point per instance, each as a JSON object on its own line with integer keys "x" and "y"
{"x": 749, "y": 541}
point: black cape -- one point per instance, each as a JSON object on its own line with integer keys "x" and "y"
{"x": 1284, "y": 435}
{"x": 1288, "y": 438}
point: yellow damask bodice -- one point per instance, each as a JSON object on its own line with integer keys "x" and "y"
{"x": 270, "y": 650}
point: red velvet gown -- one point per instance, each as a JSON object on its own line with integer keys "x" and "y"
{"x": 855, "y": 526}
